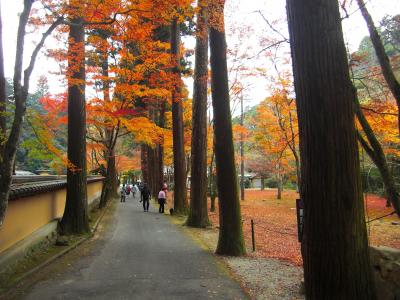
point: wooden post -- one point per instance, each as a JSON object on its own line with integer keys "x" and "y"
{"x": 253, "y": 240}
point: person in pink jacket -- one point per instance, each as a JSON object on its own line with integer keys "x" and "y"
{"x": 162, "y": 196}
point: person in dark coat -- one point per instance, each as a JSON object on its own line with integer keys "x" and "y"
{"x": 145, "y": 197}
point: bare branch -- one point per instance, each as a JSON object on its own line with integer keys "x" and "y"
{"x": 29, "y": 69}
{"x": 268, "y": 47}
{"x": 272, "y": 27}
{"x": 378, "y": 112}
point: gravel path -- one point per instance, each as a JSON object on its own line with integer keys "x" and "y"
{"x": 263, "y": 278}
{"x": 267, "y": 278}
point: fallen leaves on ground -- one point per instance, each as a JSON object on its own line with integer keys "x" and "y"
{"x": 276, "y": 225}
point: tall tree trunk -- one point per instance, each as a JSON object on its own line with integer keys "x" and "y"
{"x": 155, "y": 168}
{"x": 279, "y": 188}
{"x": 161, "y": 148}
{"x": 198, "y": 215}
{"x": 212, "y": 187}
{"x": 213, "y": 192}
{"x": 334, "y": 245}
{"x": 75, "y": 218}
{"x": 111, "y": 133}
{"x": 298, "y": 174}
{"x": 262, "y": 183}
{"x": 144, "y": 163}
{"x": 113, "y": 174}
{"x": 5, "y": 174}
{"x": 241, "y": 152}
{"x": 375, "y": 152}
{"x": 153, "y": 162}
{"x": 180, "y": 202}
{"x": 293, "y": 148}
{"x": 110, "y": 184}
{"x": 169, "y": 176}
{"x": 387, "y": 71}
{"x": 150, "y": 169}
{"x": 106, "y": 188}
{"x": 3, "y": 94}
{"x": 230, "y": 241}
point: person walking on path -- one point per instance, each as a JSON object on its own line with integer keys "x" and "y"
{"x": 123, "y": 193}
{"x": 135, "y": 189}
{"x": 161, "y": 200}
{"x": 145, "y": 197}
{"x": 165, "y": 189}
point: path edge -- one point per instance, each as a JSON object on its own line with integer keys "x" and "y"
{"x": 219, "y": 259}
{"x": 60, "y": 254}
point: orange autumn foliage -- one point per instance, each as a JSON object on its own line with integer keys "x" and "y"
{"x": 275, "y": 132}
{"x": 139, "y": 65}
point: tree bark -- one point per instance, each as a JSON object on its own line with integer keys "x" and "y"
{"x": 110, "y": 184}
{"x": 375, "y": 152}
{"x": 230, "y": 241}
{"x": 112, "y": 133}
{"x": 155, "y": 188}
{"x": 3, "y": 94}
{"x": 161, "y": 148}
{"x": 198, "y": 214}
{"x": 75, "y": 218}
{"x": 5, "y": 173}
{"x": 279, "y": 188}
{"x": 293, "y": 147}
{"x": 150, "y": 169}
{"x": 212, "y": 184}
{"x": 144, "y": 163}
{"x": 241, "y": 152}
{"x": 180, "y": 201}
{"x": 213, "y": 194}
{"x": 334, "y": 245}
{"x": 113, "y": 174}
{"x": 262, "y": 183}
{"x": 384, "y": 62}
{"x": 298, "y": 174}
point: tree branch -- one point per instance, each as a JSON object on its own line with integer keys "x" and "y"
{"x": 29, "y": 69}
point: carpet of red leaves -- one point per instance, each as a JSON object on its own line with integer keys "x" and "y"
{"x": 276, "y": 224}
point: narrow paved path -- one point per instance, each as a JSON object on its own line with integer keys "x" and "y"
{"x": 142, "y": 256}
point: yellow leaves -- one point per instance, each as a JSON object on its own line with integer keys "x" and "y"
{"x": 382, "y": 117}
{"x": 275, "y": 131}
{"x": 240, "y": 133}
{"x": 168, "y": 146}
{"x": 143, "y": 130}
{"x": 46, "y": 137}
